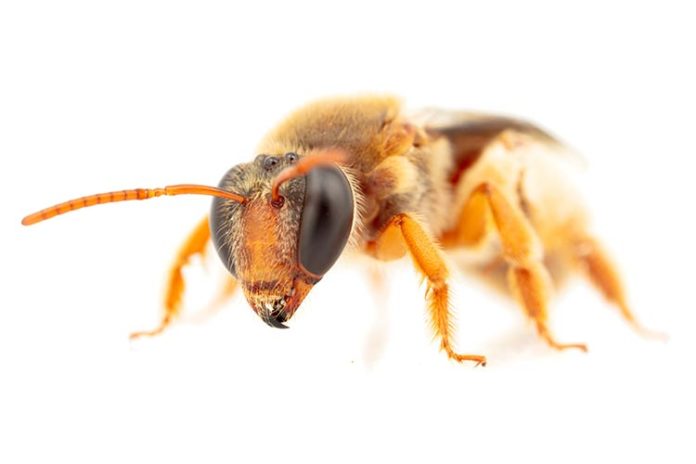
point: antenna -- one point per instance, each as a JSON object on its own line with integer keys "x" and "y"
{"x": 128, "y": 195}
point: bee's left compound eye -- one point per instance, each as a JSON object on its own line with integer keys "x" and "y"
{"x": 327, "y": 219}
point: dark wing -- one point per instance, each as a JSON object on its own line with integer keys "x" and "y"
{"x": 469, "y": 133}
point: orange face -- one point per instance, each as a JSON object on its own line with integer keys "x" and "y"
{"x": 273, "y": 282}
{"x": 279, "y": 250}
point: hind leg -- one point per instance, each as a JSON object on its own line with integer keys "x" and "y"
{"x": 603, "y": 274}
{"x": 194, "y": 245}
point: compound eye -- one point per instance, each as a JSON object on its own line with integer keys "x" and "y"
{"x": 219, "y": 235}
{"x": 327, "y": 219}
{"x": 223, "y": 222}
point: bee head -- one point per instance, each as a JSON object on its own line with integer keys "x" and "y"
{"x": 293, "y": 226}
{"x": 278, "y": 223}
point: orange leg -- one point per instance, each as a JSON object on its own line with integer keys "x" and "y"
{"x": 227, "y": 290}
{"x": 527, "y": 276}
{"x": 473, "y": 224}
{"x": 428, "y": 261}
{"x": 602, "y": 272}
{"x": 194, "y": 245}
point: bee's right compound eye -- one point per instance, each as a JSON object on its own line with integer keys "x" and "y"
{"x": 327, "y": 219}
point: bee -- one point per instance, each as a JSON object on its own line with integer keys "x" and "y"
{"x": 359, "y": 174}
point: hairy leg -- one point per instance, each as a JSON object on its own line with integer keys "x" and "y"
{"x": 412, "y": 238}
{"x": 603, "y": 274}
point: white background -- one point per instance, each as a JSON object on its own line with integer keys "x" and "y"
{"x": 95, "y": 97}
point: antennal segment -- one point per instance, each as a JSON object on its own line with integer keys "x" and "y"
{"x": 127, "y": 195}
